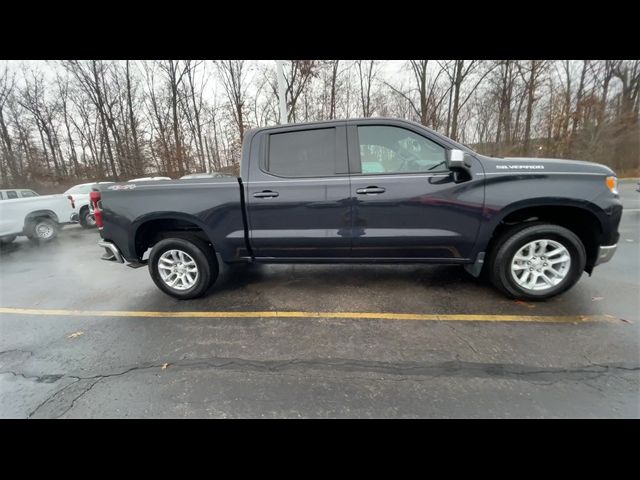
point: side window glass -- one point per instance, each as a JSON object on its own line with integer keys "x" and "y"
{"x": 304, "y": 153}
{"x": 12, "y": 194}
{"x": 27, "y": 193}
{"x": 386, "y": 149}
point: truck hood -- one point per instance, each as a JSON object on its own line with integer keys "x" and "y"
{"x": 542, "y": 165}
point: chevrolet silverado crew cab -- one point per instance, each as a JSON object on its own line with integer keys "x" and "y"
{"x": 369, "y": 191}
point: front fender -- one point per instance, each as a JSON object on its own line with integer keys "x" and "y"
{"x": 493, "y": 216}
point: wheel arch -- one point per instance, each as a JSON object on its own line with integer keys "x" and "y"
{"x": 149, "y": 229}
{"x": 583, "y": 218}
{"x": 44, "y": 213}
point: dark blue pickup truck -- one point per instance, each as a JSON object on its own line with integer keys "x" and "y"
{"x": 369, "y": 191}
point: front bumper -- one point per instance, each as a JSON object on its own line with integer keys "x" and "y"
{"x": 605, "y": 253}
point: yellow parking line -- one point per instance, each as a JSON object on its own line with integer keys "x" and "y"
{"x": 341, "y": 315}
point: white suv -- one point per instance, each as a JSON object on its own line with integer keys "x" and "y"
{"x": 80, "y": 195}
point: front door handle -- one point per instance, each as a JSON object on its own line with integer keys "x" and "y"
{"x": 370, "y": 190}
{"x": 266, "y": 194}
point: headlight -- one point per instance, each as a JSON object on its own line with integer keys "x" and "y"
{"x": 612, "y": 184}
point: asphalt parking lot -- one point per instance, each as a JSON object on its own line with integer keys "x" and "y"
{"x": 433, "y": 342}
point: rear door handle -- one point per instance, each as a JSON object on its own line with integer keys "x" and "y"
{"x": 370, "y": 190}
{"x": 266, "y": 194}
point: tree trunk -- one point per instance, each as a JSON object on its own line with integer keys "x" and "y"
{"x": 137, "y": 156}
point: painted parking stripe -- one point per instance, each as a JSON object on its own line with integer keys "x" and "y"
{"x": 285, "y": 314}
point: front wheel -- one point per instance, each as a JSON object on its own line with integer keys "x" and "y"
{"x": 183, "y": 268}
{"x": 537, "y": 262}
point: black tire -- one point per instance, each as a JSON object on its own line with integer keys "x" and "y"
{"x": 86, "y": 219}
{"x": 38, "y": 225}
{"x": 7, "y": 240}
{"x": 512, "y": 240}
{"x": 203, "y": 255}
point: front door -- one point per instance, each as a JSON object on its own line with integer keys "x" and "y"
{"x": 407, "y": 205}
{"x": 298, "y": 194}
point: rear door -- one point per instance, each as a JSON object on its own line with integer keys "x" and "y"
{"x": 298, "y": 193}
{"x": 407, "y": 204}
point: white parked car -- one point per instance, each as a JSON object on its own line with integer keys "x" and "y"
{"x": 38, "y": 217}
{"x": 80, "y": 196}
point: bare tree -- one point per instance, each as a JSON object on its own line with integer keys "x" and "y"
{"x": 532, "y": 76}
{"x": 367, "y": 74}
{"x": 90, "y": 76}
{"x": 8, "y": 163}
{"x": 137, "y": 152}
{"x": 233, "y": 76}
{"x": 174, "y": 75}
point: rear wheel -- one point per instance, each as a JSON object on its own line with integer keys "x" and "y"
{"x": 537, "y": 261}
{"x": 87, "y": 220}
{"x": 183, "y": 268}
{"x": 42, "y": 230}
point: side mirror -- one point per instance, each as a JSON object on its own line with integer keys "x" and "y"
{"x": 458, "y": 160}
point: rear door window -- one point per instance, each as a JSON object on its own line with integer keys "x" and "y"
{"x": 12, "y": 194}
{"x": 303, "y": 153}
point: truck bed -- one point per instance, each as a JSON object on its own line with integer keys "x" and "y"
{"x": 215, "y": 205}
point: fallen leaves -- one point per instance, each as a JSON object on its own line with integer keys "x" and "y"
{"x": 164, "y": 366}
{"x": 75, "y": 334}
{"x": 596, "y": 299}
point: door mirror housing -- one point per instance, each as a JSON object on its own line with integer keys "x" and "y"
{"x": 458, "y": 160}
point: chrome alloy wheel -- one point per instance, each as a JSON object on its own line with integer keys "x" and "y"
{"x": 178, "y": 269}
{"x": 89, "y": 219}
{"x": 540, "y": 265}
{"x": 44, "y": 231}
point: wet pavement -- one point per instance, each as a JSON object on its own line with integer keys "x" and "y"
{"x": 68, "y": 366}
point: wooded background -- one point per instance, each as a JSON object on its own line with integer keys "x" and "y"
{"x": 68, "y": 122}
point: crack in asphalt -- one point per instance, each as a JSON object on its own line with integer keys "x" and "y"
{"x": 456, "y": 367}
{"x": 49, "y": 398}
{"x": 77, "y": 397}
{"x": 409, "y": 370}
{"x": 460, "y": 337}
